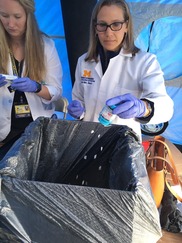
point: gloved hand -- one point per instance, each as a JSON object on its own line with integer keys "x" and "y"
{"x": 75, "y": 109}
{"x": 2, "y": 80}
{"x": 127, "y": 106}
{"x": 24, "y": 84}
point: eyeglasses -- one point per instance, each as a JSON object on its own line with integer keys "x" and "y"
{"x": 116, "y": 26}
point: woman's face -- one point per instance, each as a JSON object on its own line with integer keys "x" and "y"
{"x": 109, "y": 39}
{"x": 13, "y": 18}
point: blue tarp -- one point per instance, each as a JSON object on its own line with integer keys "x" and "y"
{"x": 157, "y": 26}
{"x": 49, "y": 16}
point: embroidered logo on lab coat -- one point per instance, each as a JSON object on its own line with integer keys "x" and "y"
{"x": 87, "y": 73}
{"x": 86, "y": 77}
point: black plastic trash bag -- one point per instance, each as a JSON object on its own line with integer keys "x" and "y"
{"x": 73, "y": 181}
{"x": 170, "y": 215}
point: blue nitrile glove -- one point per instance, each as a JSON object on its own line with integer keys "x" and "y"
{"x": 2, "y": 80}
{"x": 75, "y": 109}
{"x": 24, "y": 84}
{"x": 127, "y": 106}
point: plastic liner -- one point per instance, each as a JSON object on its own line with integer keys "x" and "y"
{"x": 73, "y": 181}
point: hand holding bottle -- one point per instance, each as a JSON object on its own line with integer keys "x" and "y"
{"x": 127, "y": 106}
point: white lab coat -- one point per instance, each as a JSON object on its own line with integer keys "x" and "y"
{"x": 38, "y": 106}
{"x": 139, "y": 75}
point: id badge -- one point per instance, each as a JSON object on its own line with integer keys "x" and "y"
{"x": 22, "y": 110}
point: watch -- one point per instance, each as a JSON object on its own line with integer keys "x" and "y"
{"x": 39, "y": 87}
{"x": 149, "y": 108}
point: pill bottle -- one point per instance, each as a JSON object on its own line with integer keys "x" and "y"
{"x": 106, "y": 117}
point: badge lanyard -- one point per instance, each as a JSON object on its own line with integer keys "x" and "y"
{"x": 21, "y": 110}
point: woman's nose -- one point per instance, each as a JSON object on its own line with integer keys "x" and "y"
{"x": 108, "y": 31}
{"x": 11, "y": 22}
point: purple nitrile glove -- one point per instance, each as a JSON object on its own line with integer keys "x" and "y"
{"x": 24, "y": 84}
{"x": 127, "y": 106}
{"x": 2, "y": 80}
{"x": 75, "y": 109}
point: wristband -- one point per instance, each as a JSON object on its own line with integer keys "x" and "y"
{"x": 39, "y": 87}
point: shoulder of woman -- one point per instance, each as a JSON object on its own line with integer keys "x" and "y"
{"x": 146, "y": 57}
{"x": 145, "y": 53}
{"x": 48, "y": 41}
{"x": 82, "y": 57}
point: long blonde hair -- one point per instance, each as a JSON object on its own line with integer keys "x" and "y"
{"x": 34, "y": 48}
{"x": 128, "y": 42}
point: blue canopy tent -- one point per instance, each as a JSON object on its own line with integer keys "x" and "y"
{"x": 157, "y": 25}
{"x": 49, "y": 16}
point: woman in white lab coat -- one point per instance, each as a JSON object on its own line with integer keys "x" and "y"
{"x": 30, "y": 56}
{"x": 116, "y": 73}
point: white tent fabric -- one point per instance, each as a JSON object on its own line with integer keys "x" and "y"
{"x": 157, "y": 27}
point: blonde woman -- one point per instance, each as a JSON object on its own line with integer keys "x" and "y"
{"x": 31, "y": 63}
